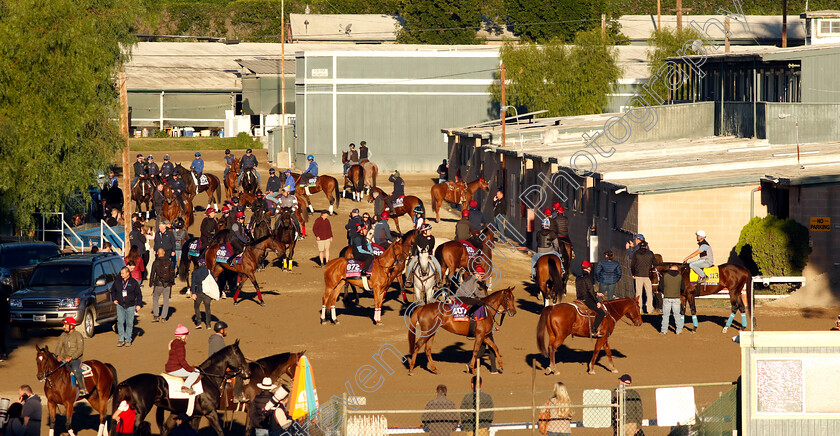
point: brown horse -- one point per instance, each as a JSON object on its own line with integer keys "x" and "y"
{"x": 552, "y": 268}
{"x": 733, "y": 278}
{"x": 58, "y": 389}
{"x": 231, "y": 178}
{"x": 324, "y": 183}
{"x": 409, "y": 203}
{"x": 558, "y": 322}
{"x": 426, "y": 320}
{"x": 142, "y": 193}
{"x": 403, "y": 249}
{"x": 456, "y": 193}
{"x": 452, "y": 255}
{"x": 355, "y": 179}
{"x": 385, "y": 269}
{"x": 213, "y": 188}
{"x": 285, "y": 235}
{"x": 172, "y": 208}
{"x": 250, "y": 261}
{"x": 371, "y": 171}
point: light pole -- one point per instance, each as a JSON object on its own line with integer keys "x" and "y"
{"x": 796, "y": 122}
{"x": 504, "y": 109}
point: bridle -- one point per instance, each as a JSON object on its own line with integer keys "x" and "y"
{"x": 47, "y": 374}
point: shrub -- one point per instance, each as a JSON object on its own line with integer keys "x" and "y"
{"x": 774, "y": 247}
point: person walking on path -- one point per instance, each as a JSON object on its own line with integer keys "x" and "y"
{"x": 32, "y": 411}
{"x": 323, "y": 237}
{"x": 440, "y": 423}
{"x": 671, "y": 286}
{"x": 161, "y": 280}
{"x": 182, "y": 426}
{"x": 177, "y": 364}
{"x": 468, "y": 416}
{"x": 69, "y": 350}
{"x": 607, "y": 274}
{"x": 640, "y": 266}
{"x": 165, "y": 238}
{"x": 198, "y": 295}
{"x": 126, "y": 295}
{"x": 632, "y": 408}
{"x": 704, "y": 250}
{"x": 559, "y": 419}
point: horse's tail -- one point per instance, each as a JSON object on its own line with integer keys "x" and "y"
{"x": 542, "y": 335}
{"x": 746, "y": 296}
{"x": 556, "y": 277}
{"x": 433, "y": 196}
{"x": 337, "y": 196}
{"x": 184, "y": 265}
{"x": 114, "y": 380}
{"x": 360, "y": 179}
{"x": 374, "y": 170}
{"x": 218, "y": 190}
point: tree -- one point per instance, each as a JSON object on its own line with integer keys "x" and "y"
{"x": 439, "y": 22}
{"x": 564, "y": 80}
{"x": 543, "y": 20}
{"x": 774, "y": 247}
{"x": 665, "y": 44}
{"x": 58, "y": 101}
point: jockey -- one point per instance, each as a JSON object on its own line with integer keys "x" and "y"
{"x": 178, "y": 187}
{"x": 139, "y": 169}
{"x": 235, "y": 207}
{"x": 706, "y": 260}
{"x": 352, "y": 224}
{"x": 472, "y": 290}
{"x": 197, "y": 166}
{"x": 561, "y": 223}
{"x": 239, "y": 236}
{"x": 226, "y": 218}
{"x": 364, "y": 153}
{"x": 249, "y": 162}
{"x": 69, "y": 350}
{"x": 177, "y": 364}
{"x": 547, "y": 242}
{"x": 419, "y": 218}
{"x": 352, "y": 158}
{"x": 399, "y": 188}
{"x": 382, "y": 231}
{"x": 378, "y": 202}
{"x": 361, "y": 248}
{"x": 290, "y": 201}
{"x": 166, "y": 169}
{"x": 152, "y": 168}
{"x": 425, "y": 242}
{"x": 586, "y": 293}
{"x": 228, "y": 162}
{"x": 208, "y": 228}
{"x": 273, "y": 186}
{"x": 290, "y": 181}
{"x": 311, "y": 170}
{"x": 463, "y": 228}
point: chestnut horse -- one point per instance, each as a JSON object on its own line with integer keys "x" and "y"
{"x": 324, "y": 183}
{"x": 386, "y": 268}
{"x": 554, "y": 269}
{"x": 371, "y": 171}
{"x": 558, "y": 322}
{"x": 250, "y": 261}
{"x": 426, "y": 319}
{"x": 213, "y": 188}
{"x": 456, "y": 193}
{"x": 731, "y": 277}
{"x": 172, "y": 208}
{"x": 405, "y": 244}
{"x": 355, "y": 179}
{"x": 58, "y": 389}
{"x": 452, "y": 255}
{"x": 409, "y": 203}
{"x": 231, "y": 178}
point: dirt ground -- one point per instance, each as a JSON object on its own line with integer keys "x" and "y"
{"x": 290, "y": 322}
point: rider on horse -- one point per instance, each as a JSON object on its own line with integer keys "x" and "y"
{"x": 399, "y": 188}
{"x": 152, "y": 169}
{"x": 547, "y": 242}
{"x": 208, "y": 228}
{"x": 382, "y": 232}
{"x": 167, "y": 169}
{"x": 273, "y": 187}
{"x": 472, "y": 290}
{"x": 443, "y": 172}
{"x": 69, "y": 351}
{"x": 139, "y": 169}
{"x": 228, "y": 162}
{"x": 378, "y": 202}
{"x": 424, "y": 242}
{"x": 364, "y": 153}
{"x": 476, "y": 216}
{"x": 290, "y": 181}
{"x": 178, "y": 186}
{"x": 706, "y": 258}
{"x": 177, "y": 364}
{"x": 418, "y": 218}
{"x": 464, "y": 230}
{"x": 361, "y": 248}
{"x": 197, "y": 167}
{"x": 239, "y": 236}
{"x": 560, "y": 224}
{"x": 289, "y": 201}
{"x": 586, "y": 293}
{"x": 248, "y": 163}
{"x": 311, "y": 170}
{"x": 352, "y": 158}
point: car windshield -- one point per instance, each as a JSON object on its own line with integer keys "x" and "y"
{"x": 61, "y": 275}
{"x": 13, "y": 257}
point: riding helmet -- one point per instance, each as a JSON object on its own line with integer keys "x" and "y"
{"x": 219, "y": 326}
{"x": 150, "y": 157}
{"x": 197, "y": 154}
{"x": 227, "y": 151}
{"x": 465, "y": 213}
{"x": 310, "y": 157}
{"x": 352, "y": 145}
{"x": 235, "y": 199}
{"x": 426, "y": 227}
{"x": 209, "y": 211}
{"x": 139, "y": 155}
{"x": 248, "y": 150}
{"x": 473, "y": 203}
{"x": 166, "y": 157}
{"x": 586, "y": 264}
{"x": 179, "y": 223}
{"x": 384, "y": 215}
{"x": 271, "y": 170}
{"x": 547, "y": 212}
{"x": 479, "y": 269}
{"x": 240, "y": 214}
{"x": 701, "y": 233}
{"x": 70, "y": 321}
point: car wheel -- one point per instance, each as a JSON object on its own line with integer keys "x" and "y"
{"x": 88, "y": 324}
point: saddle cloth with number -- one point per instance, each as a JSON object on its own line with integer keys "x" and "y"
{"x": 471, "y": 250}
{"x": 377, "y": 250}
{"x": 712, "y": 272}
{"x": 203, "y": 180}
{"x": 224, "y": 252}
{"x": 354, "y": 268}
{"x": 311, "y": 182}
{"x": 398, "y": 202}
{"x": 194, "y": 248}
{"x": 86, "y": 370}
{"x": 459, "y": 312}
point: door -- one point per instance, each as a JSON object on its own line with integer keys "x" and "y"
{"x": 104, "y": 305}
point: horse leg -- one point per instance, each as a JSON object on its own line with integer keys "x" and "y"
{"x": 256, "y": 286}
{"x": 68, "y": 410}
{"x": 553, "y": 346}
{"x": 213, "y": 418}
{"x": 397, "y": 223}
{"x": 430, "y": 363}
{"x": 490, "y": 343}
{"x": 476, "y": 345}
{"x": 598, "y": 344}
{"x": 692, "y": 304}
{"x": 378, "y": 298}
{"x": 51, "y": 409}
{"x": 609, "y": 355}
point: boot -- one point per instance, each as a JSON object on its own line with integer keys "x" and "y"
{"x": 187, "y": 390}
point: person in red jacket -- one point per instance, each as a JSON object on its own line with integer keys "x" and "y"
{"x": 124, "y": 417}
{"x": 177, "y": 364}
{"x": 323, "y": 236}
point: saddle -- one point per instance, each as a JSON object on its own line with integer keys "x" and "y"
{"x": 712, "y": 272}
{"x": 175, "y": 383}
{"x": 312, "y": 182}
{"x": 86, "y": 370}
{"x": 582, "y": 309}
{"x": 399, "y": 201}
{"x": 471, "y": 250}
{"x": 354, "y": 268}
{"x": 458, "y": 190}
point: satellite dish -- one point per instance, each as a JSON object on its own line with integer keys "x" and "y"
{"x": 347, "y": 29}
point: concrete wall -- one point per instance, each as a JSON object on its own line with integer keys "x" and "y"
{"x": 676, "y": 121}
{"x": 819, "y": 201}
{"x": 818, "y": 122}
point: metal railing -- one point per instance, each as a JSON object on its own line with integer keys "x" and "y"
{"x": 107, "y": 233}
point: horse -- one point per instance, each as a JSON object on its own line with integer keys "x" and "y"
{"x": 452, "y": 255}
{"x": 232, "y": 178}
{"x": 386, "y": 268}
{"x": 731, "y": 277}
{"x": 371, "y": 171}
{"x": 142, "y": 193}
{"x": 323, "y": 183}
{"x": 222, "y": 236}
{"x": 59, "y": 390}
{"x": 213, "y": 188}
{"x": 250, "y": 183}
{"x": 426, "y": 319}
{"x": 424, "y": 278}
{"x": 172, "y": 208}
{"x": 149, "y": 390}
{"x": 403, "y": 249}
{"x": 456, "y": 193}
{"x": 250, "y": 259}
{"x": 285, "y": 234}
{"x": 409, "y": 203}
{"x": 554, "y": 269}
{"x": 355, "y": 178}
{"x": 559, "y": 321}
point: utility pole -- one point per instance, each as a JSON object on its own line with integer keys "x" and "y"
{"x": 726, "y": 35}
{"x": 784, "y": 23}
{"x": 124, "y": 131}
{"x": 282, "y": 78}
{"x": 679, "y": 10}
{"x": 504, "y": 104}
{"x": 603, "y": 27}
{"x": 658, "y": 16}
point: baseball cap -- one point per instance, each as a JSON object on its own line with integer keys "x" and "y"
{"x": 640, "y": 236}
{"x": 354, "y": 211}
{"x": 626, "y": 378}
{"x": 240, "y": 214}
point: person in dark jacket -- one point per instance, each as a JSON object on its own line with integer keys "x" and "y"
{"x": 248, "y": 163}
{"x": 633, "y": 409}
{"x": 209, "y": 225}
{"x": 69, "y": 350}
{"x": 561, "y": 223}
{"x": 640, "y": 266}
{"x": 586, "y": 293}
{"x": 273, "y": 186}
{"x": 424, "y": 242}
{"x": 464, "y": 231}
{"x": 607, "y": 274}
{"x": 166, "y": 169}
{"x": 158, "y": 199}
{"x": 182, "y": 426}
{"x": 440, "y": 423}
{"x": 165, "y": 238}
{"x": 152, "y": 169}
{"x": 364, "y": 153}
{"x": 261, "y": 410}
{"x": 198, "y": 295}
{"x": 178, "y": 187}
{"x": 382, "y": 231}
{"x": 138, "y": 239}
{"x": 139, "y": 170}
{"x": 547, "y": 243}
{"x": 672, "y": 286}
{"x": 361, "y": 248}
{"x": 352, "y": 158}
{"x": 378, "y": 203}
{"x": 399, "y": 188}
{"x": 485, "y": 401}
{"x": 443, "y": 174}
{"x": 126, "y": 295}
{"x": 499, "y": 203}
{"x": 476, "y": 216}
{"x": 161, "y": 280}
{"x": 352, "y": 225}
{"x": 238, "y": 239}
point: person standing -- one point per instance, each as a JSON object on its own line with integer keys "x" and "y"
{"x": 182, "y": 426}
{"x": 607, "y": 274}
{"x": 31, "y": 413}
{"x": 485, "y": 418}
{"x": 136, "y": 262}
{"x": 323, "y": 236}
{"x": 161, "y": 280}
{"x": 633, "y": 245}
{"x": 69, "y": 350}
{"x": 586, "y": 293}
{"x": 352, "y": 225}
{"x": 176, "y": 364}
{"x": 632, "y": 407}
{"x": 560, "y": 419}
{"x": 180, "y": 238}
{"x": 378, "y": 202}
{"x": 124, "y": 416}
{"x": 440, "y": 423}
{"x": 198, "y": 295}
{"x": 5, "y": 320}
{"x": 165, "y": 238}
{"x": 704, "y": 250}
{"x": 671, "y": 285}
{"x": 158, "y": 200}
{"x": 137, "y": 238}
{"x": 640, "y": 266}
{"x": 443, "y": 173}
{"x": 125, "y": 293}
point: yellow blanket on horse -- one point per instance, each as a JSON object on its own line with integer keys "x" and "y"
{"x": 711, "y": 272}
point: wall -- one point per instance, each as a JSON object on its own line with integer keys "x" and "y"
{"x": 180, "y": 109}
{"x": 819, "y": 201}
{"x": 676, "y": 121}
{"x": 818, "y": 122}
{"x": 263, "y": 95}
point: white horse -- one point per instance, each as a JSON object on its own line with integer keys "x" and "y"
{"x": 424, "y": 278}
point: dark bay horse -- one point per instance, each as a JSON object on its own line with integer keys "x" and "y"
{"x": 452, "y": 255}
{"x": 409, "y": 203}
{"x": 232, "y": 178}
{"x": 250, "y": 260}
{"x": 551, "y": 268}
{"x": 558, "y": 322}
{"x": 172, "y": 208}
{"x": 250, "y": 183}
{"x": 733, "y": 278}
{"x": 326, "y": 184}
{"x": 213, "y": 188}
{"x": 285, "y": 235}
{"x": 149, "y": 390}
{"x": 456, "y": 193}
{"x": 142, "y": 193}
{"x": 355, "y": 179}
{"x": 58, "y": 389}
{"x": 385, "y": 269}
{"x": 426, "y": 319}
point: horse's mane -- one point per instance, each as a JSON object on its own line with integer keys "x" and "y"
{"x": 277, "y": 359}
{"x": 257, "y": 241}
{"x": 220, "y": 355}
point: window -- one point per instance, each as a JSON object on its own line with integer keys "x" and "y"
{"x": 110, "y": 273}
{"x": 99, "y": 273}
{"x": 61, "y": 275}
{"x": 829, "y": 27}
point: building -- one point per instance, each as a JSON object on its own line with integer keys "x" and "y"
{"x": 352, "y": 28}
{"x": 822, "y": 27}
{"x": 758, "y": 30}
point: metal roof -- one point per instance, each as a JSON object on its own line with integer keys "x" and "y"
{"x": 821, "y": 14}
{"x": 772, "y": 53}
{"x": 341, "y": 27}
{"x": 268, "y": 67}
{"x": 761, "y": 28}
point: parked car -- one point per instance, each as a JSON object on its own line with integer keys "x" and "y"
{"x": 76, "y": 285}
{"x": 18, "y": 259}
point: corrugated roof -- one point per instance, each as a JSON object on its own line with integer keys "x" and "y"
{"x": 821, "y": 14}
{"x": 268, "y": 67}
{"x": 340, "y": 27}
{"x": 762, "y": 28}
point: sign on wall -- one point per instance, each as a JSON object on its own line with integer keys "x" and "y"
{"x": 820, "y": 224}
{"x": 320, "y": 72}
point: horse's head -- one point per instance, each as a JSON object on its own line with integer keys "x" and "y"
{"x": 508, "y": 302}
{"x": 46, "y": 362}
{"x": 634, "y": 313}
{"x": 235, "y": 360}
{"x": 482, "y": 183}
{"x": 168, "y": 193}
{"x": 180, "y": 168}
{"x": 236, "y": 165}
